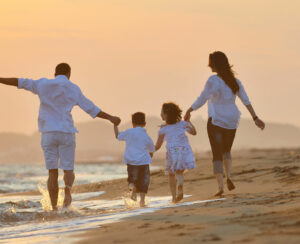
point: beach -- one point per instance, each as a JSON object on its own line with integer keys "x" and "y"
{"x": 264, "y": 208}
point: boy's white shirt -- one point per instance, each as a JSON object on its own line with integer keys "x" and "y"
{"x": 138, "y": 146}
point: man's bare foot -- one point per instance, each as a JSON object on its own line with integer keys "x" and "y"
{"x": 68, "y": 197}
{"x": 219, "y": 193}
{"x": 230, "y": 185}
{"x": 142, "y": 204}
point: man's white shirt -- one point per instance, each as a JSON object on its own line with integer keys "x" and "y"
{"x": 57, "y": 98}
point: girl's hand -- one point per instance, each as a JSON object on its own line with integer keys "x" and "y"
{"x": 187, "y": 116}
{"x": 260, "y": 124}
{"x": 162, "y": 125}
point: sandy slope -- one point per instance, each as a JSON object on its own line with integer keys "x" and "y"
{"x": 265, "y": 207}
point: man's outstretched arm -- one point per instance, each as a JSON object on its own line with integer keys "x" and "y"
{"x": 9, "y": 81}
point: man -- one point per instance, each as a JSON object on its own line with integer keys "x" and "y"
{"x": 57, "y": 98}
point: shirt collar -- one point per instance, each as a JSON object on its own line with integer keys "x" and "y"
{"x": 61, "y": 77}
{"x": 140, "y": 128}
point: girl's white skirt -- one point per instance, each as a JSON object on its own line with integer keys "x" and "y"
{"x": 179, "y": 158}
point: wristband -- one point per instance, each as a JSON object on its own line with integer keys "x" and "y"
{"x": 255, "y": 118}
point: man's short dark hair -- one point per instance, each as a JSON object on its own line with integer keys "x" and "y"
{"x": 138, "y": 118}
{"x": 62, "y": 69}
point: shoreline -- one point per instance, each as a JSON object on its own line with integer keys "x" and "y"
{"x": 264, "y": 206}
{"x": 263, "y": 209}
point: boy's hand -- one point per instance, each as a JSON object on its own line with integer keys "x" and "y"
{"x": 115, "y": 120}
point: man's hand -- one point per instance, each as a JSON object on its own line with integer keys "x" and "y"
{"x": 9, "y": 81}
{"x": 115, "y": 120}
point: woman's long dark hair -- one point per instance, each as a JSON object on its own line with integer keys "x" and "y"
{"x": 219, "y": 62}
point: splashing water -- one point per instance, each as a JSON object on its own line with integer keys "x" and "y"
{"x": 45, "y": 201}
{"x": 131, "y": 204}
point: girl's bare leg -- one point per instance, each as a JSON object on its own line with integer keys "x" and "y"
{"x": 180, "y": 181}
{"x": 172, "y": 183}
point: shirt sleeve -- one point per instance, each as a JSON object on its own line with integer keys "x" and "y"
{"x": 161, "y": 131}
{"x": 150, "y": 145}
{"x": 243, "y": 95}
{"x": 29, "y": 85}
{"x": 123, "y": 136}
{"x": 210, "y": 88}
{"x": 87, "y": 105}
{"x": 185, "y": 125}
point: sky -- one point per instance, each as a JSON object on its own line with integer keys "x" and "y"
{"x": 133, "y": 55}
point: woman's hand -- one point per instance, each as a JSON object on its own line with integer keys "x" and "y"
{"x": 259, "y": 123}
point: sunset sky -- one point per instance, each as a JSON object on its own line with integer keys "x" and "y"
{"x": 133, "y": 55}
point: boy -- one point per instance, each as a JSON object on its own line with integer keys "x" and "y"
{"x": 138, "y": 153}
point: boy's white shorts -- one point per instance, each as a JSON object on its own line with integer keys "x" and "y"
{"x": 59, "y": 150}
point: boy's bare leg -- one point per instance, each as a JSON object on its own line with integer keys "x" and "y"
{"x": 133, "y": 194}
{"x": 52, "y": 185}
{"x": 142, "y": 202}
{"x": 172, "y": 183}
{"x": 69, "y": 178}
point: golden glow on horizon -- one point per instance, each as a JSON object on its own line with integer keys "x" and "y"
{"x": 134, "y": 55}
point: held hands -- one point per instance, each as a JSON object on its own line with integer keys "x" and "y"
{"x": 187, "y": 116}
{"x": 115, "y": 120}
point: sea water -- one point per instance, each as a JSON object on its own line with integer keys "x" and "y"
{"x": 26, "y": 177}
{"x": 31, "y": 223}
{"x": 29, "y": 219}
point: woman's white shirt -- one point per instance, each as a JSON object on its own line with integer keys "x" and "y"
{"x": 221, "y": 102}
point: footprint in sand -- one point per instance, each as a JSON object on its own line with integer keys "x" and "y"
{"x": 146, "y": 225}
{"x": 211, "y": 237}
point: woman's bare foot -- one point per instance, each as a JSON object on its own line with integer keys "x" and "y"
{"x": 142, "y": 204}
{"x": 219, "y": 193}
{"x": 230, "y": 185}
{"x": 68, "y": 197}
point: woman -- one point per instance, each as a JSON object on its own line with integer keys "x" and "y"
{"x": 220, "y": 91}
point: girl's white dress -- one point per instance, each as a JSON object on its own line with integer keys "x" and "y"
{"x": 179, "y": 152}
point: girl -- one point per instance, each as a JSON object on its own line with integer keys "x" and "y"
{"x": 179, "y": 152}
{"x": 221, "y": 91}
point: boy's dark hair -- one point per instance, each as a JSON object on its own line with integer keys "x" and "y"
{"x": 62, "y": 69}
{"x": 138, "y": 118}
{"x": 173, "y": 113}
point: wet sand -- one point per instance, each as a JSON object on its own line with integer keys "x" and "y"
{"x": 265, "y": 207}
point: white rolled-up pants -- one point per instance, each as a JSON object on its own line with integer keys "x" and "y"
{"x": 59, "y": 150}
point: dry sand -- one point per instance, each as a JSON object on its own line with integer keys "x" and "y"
{"x": 265, "y": 207}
